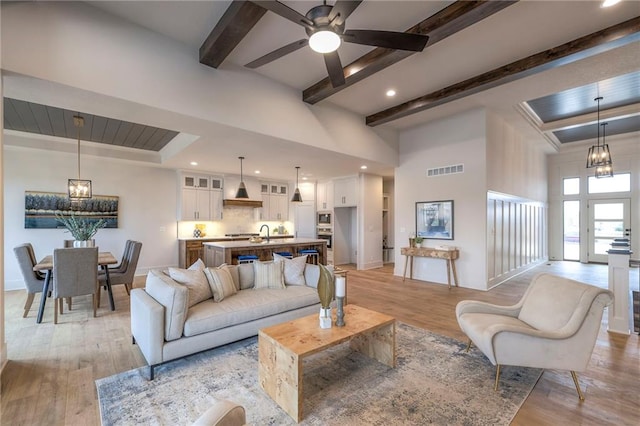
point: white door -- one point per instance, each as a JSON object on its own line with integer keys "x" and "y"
{"x": 608, "y": 219}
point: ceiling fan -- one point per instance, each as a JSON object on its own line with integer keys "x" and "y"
{"x": 325, "y": 26}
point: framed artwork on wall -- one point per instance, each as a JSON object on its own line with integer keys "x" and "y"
{"x": 40, "y": 209}
{"x": 434, "y": 219}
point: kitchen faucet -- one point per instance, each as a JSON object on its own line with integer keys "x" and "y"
{"x": 267, "y": 230}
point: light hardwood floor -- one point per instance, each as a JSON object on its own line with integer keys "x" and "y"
{"x": 50, "y": 376}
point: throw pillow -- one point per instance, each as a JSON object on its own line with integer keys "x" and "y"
{"x": 268, "y": 274}
{"x": 198, "y": 265}
{"x": 221, "y": 283}
{"x": 195, "y": 281}
{"x": 235, "y": 275}
{"x": 245, "y": 275}
{"x": 293, "y": 269}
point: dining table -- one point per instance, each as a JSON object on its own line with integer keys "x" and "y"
{"x": 105, "y": 259}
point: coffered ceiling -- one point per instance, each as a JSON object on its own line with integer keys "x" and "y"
{"x": 535, "y": 63}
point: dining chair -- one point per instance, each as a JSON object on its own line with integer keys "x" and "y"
{"x": 75, "y": 273}
{"x": 125, "y": 272}
{"x": 33, "y": 280}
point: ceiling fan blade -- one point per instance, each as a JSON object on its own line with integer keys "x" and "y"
{"x": 286, "y": 12}
{"x": 388, "y": 39}
{"x": 278, "y": 53}
{"x": 334, "y": 68}
{"x": 341, "y": 10}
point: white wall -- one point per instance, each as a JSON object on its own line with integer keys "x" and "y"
{"x": 570, "y": 162}
{"x": 515, "y": 166}
{"x": 147, "y": 205}
{"x": 455, "y": 140}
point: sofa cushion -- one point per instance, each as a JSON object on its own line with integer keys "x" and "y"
{"x": 268, "y": 275}
{"x": 195, "y": 281}
{"x": 174, "y": 297}
{"x": 245, "y": 306}
{"x": 221, "y": 283}
{"x": 245, "y": 275}
{"x": 293, "y": 269}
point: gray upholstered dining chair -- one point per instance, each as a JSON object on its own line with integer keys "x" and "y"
{"x": 123, "y": 273}
{"x": 34, "y": 281}
{"x": 75, "y": 273}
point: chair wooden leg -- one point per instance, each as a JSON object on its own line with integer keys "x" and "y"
{"x": 55, "y": 311}
{"x": 28, "y": 303}
{"x": 69, "y": 303}
{"x": 469, "y": 345}
{"x": 575, "y": 381}
{"x": 126, "y": 287}
{"x": 61, "y": 305}
{"x": 98, "y": 295}
{"x": 95, "y": 304}
{"x": 495, "y": 387}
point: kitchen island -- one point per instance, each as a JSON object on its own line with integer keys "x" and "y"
{"x": 218, "y": 252}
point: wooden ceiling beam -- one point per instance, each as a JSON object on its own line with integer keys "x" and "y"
{"x": 581, "y": 48}
{"x": 439, "y": 26}
{"x": 234, "y": 25}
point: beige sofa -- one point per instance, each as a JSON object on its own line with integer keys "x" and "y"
{"x": 167, "y": 323}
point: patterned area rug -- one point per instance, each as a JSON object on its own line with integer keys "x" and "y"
{"x": 435, "y": 382}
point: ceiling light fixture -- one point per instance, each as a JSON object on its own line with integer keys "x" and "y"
{"x": 324, "y": 41}
{"x": 242, "y": 190}
{"x": 599, "y": 155}
{"x": 607, "y": 169}
{"x": 297, "y": 198}
{"x": 79, "y": 189}
{"x": 194, "y": 163}
{"x": 391, "y": 93}
{"x": 363, "y": 167}
{"x": 609, "y": 3}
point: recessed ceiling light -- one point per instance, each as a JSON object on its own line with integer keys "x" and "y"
{"x": 304, "y": 178}
{"x": 193, "y": 163}
{"x": 257, "y": 172}
{"x": 391, "y": 92}
{"x": 363, "y": 167}
{"x": 609, "y": 3}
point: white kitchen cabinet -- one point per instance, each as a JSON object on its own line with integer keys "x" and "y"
{"x": 275, "y": 201}
{"x": 191, "y": 181}
{"x": 324, "y": 196}
{"x": 216, "y": 197}
{"x": 200, "y": 197}
{"x": 345, "y": 192}
{"x": 195, "y": 205}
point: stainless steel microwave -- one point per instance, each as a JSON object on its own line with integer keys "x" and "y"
{"x": 324, "y": 218}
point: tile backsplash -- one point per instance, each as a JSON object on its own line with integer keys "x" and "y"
{"x": 235, "y": 220}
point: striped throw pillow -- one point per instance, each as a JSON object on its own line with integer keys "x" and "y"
{"x": 268, "y": 274}
{"x": 221, "y": 283}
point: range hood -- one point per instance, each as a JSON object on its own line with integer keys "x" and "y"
{"x": 241, "y": 202}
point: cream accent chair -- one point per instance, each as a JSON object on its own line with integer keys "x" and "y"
{"x": 554, "y": 326}
{"x": 222, "y": 413}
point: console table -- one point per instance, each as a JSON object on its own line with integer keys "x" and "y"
{"x": 450, "y": 255}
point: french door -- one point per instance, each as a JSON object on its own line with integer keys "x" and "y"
{"x": 608, "y": 219}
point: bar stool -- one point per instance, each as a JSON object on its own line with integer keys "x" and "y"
{"x": 312, "y": 255}
{"x": 286, "y": 254}
{"x": 247, "y": 258}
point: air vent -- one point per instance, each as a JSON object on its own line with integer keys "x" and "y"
{"x": 446, "y": 170}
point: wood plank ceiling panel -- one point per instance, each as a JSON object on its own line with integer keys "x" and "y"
{"x": 590, "y": 131}
{"x": 618, "y": 91}
{"x": 30, "y": 117}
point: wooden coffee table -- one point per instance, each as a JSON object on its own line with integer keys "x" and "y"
{"x": 282, "y": 348}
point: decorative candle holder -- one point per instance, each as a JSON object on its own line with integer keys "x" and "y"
{"x": 340, "y": 312}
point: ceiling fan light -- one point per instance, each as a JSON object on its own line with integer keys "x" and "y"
{"x": 324, "y": 41}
